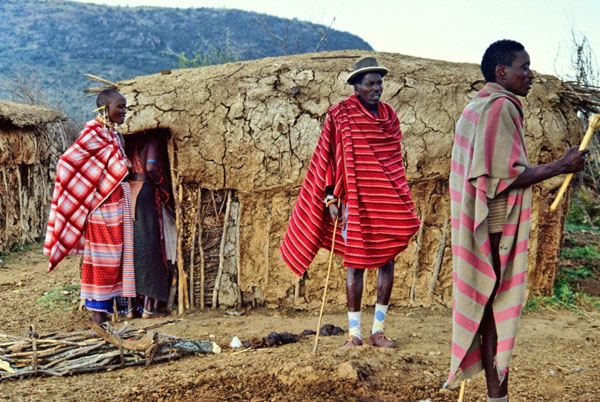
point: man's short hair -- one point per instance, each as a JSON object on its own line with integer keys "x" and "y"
{"x": 500, "y": 52}
{"x": 105, "y": 96}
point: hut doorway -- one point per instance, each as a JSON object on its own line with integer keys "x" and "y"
{"x": 206, "y": 224}
{"x": 154, "y": 212}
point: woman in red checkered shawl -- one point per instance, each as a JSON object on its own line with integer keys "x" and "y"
{"x": 90, "y": 214}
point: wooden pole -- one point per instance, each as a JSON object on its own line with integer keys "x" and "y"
{"x": 101, "y": 80}
{"x": 177, "y": 190}
{"x": 6, "y": 211}
{"x": 415, "y": 272}
{"x": 212, "y": 194}
{"x": 221, "y": 252}
{"x": 181, "y": 274}
{"x": 201, "y": 249}
{"x": 593, "y": 124}
{"x": 198, "y": 206}
{"x": 440, "y": 258}
{"x": 237, "y": 253}
{"x": 461, "y": 394}
{"x": 20, "y": 190}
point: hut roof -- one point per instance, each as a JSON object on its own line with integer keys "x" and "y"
{"x": 21, "y": 115}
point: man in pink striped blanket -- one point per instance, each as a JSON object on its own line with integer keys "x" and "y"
{"x": 490, "y": 188}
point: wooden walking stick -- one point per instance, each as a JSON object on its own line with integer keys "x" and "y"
{"x": 593, "y": 124}
{"x": 461, "y": 394}
{"x": 326, "y": 281}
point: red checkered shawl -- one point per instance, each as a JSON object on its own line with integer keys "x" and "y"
{"x": 87, "y": 173}
{"x": 361, "y": 156}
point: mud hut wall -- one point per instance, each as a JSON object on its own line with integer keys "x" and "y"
{"x": 251, "y": 127}
{"x": 26, "y": 181}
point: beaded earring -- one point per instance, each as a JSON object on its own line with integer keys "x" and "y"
{"x": 103, "y": 115}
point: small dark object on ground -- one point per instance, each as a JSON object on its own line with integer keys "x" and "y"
{"x": 329, "y": 330}
{"x": 282, "y": 338}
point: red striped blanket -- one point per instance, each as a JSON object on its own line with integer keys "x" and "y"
{"x": 107, "y": 269}
{"x": 87, "y": 173}
{"x": 361, "y": 156}
{"x": 488, "y": 155}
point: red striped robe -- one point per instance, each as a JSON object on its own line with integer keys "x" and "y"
{"x": 360, "y": 155}
{"x": 488, "y": 155}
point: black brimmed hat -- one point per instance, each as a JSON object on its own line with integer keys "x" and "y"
{"x": 366, "y": 65}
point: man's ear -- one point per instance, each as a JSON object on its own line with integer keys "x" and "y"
{"x": 500, "y": 72}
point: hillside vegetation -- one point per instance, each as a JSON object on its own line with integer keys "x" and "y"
{"x": 62, "y": 40}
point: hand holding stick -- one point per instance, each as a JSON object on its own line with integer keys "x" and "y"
{"x": 594, "y": 123}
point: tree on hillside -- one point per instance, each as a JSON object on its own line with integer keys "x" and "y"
{"x": 290, "y": 41}
{"x": 221, "y": 52}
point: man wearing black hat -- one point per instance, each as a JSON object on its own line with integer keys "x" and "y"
{"x": 357, "y": 174}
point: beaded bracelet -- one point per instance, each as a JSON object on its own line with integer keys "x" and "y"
{"x": 330, "y": 201}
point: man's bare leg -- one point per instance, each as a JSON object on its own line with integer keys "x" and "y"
{"x": 385, "y": 281}
{"x": 354, "y": 288}
{"x": 489, "y": 337}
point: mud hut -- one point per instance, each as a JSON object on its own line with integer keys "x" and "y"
{"x": 240, "y": 138}
{"x": 28, "y": 145}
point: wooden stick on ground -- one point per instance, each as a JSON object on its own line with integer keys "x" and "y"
{"x": 139, "y": 346}
{"x": 326, "y": 282}
{"x": 593, "y": 124}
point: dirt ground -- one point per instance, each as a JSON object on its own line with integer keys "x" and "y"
{"x": 556, "y": 357}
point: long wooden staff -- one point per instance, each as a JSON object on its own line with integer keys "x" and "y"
{"x": 461, "y": 394}
{"x": 326, "y": 281}
{"x": 594, "y": 123}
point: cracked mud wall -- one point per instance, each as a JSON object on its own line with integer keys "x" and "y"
{"x": 27, "y": 160}
{"x": 251, "y": 127}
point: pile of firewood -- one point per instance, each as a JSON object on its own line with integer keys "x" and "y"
{"x": 98, "y": 349}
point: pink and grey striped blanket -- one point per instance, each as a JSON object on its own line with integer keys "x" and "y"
{"x": 488, "y": 155}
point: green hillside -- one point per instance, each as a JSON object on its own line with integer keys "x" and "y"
{"x": 62, "y": 40}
